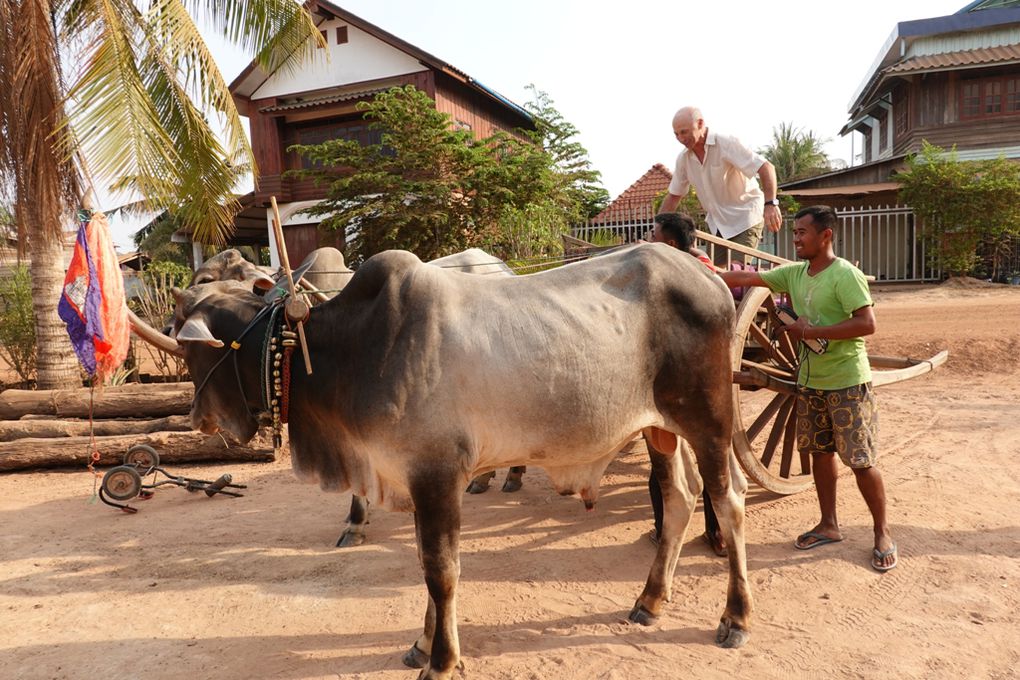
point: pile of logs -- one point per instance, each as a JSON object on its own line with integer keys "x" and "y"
{"x": 50, "y": 428}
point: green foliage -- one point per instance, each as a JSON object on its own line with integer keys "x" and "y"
{"x": 576, "y": 177}
{"x": 154, "y": 241}
{"x": 796, "y": 154}
{"x": 435, "y": 190}
{"x": 963, "y": 205}
{"x": 167, "y": 274}
{"x": 17, "y": 324}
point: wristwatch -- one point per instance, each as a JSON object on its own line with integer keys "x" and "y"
{"x": 774, "y": 201}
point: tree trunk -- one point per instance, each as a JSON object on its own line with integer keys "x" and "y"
{"x": 57, "y": 366}
{"x": 133, "y": 400}
{"x": 172, "y": 447}
{"x": 12, "y": 430}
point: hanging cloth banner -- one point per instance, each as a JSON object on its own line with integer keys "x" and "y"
{"x": 92, "y": 303}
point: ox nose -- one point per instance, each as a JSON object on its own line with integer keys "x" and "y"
{"x": 204, "y": 425}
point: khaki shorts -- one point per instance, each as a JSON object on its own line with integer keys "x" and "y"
{"x": 749, "y": 237}
{"x": 844, "y": 422}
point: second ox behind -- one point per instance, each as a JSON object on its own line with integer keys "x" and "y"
{"x": 424, "y": 376}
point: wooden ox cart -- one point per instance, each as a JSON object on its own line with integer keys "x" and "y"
{"x": 764, "y": 378}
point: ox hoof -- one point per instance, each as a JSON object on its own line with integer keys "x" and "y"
{"x": 415, "y": 658}
{"x": 349, "y": 539}
{"x": 641, "y": 615}
{"x": 728, "y": 637}
{"x": 512, "y": 484}
{"x": 480, "y": 484}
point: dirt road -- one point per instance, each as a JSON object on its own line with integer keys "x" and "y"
{"x": 193, "y": 587}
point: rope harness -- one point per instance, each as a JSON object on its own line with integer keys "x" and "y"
{"x": 274, "y": 377}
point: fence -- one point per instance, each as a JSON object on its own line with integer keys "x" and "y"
{"x": 883, "y": 241}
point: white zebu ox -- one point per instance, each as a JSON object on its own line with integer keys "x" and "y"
{"x": 326, "y": 271}
{"x": 425, "y": 376}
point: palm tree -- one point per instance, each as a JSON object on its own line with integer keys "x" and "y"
{"x": 796, "y": 154}
{"x": 134, "y": 108}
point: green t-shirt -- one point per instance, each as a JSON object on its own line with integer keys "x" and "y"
{"x": 827, "y": 298}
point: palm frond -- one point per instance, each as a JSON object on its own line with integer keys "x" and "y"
{"x": 31, "y": 108}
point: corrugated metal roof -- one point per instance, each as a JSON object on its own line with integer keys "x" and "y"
{"x": 318, "y": 101}
{"x": 954, "y": 60}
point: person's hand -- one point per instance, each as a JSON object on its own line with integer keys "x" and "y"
{"x": 796, "y": 330}
{"x": 773, "y": 217}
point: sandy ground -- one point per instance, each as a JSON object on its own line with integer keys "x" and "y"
{"x": 193, "y": 587}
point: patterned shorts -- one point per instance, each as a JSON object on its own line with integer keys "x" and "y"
{"x": 839, "y": 421}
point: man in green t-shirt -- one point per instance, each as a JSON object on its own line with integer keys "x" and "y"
{"x": 836, "y": 412}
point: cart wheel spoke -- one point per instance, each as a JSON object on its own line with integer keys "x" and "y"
{"x": 786, "y": 347}
{"x": 766, "y": 344}
{"x": 777, "y": 431}
{"x": 789, "y": 439}
{"x": 759, "y": 423}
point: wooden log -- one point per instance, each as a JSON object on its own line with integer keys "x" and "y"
{"x": 172, "y": 447}
{"x": 124, "y": 401}
{"x": 11, "y": 430}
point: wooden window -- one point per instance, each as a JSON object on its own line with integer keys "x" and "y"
{"x": 990, "y": 97}
{"x": 341, "y": 35}
{"x": 357, "y": 131}
{"x": 325, "y": 38}
{"x": 971, "y": 100}
{"x": 883, "y": 132}
{"x": 901, "y": 118}
{"x": 1013, "y": 95}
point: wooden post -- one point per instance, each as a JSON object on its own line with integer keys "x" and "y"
{"x": 299, "y": 310}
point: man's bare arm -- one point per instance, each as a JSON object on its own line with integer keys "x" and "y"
{"x": 857, "y": 326}
{"x": 769, "y": 187}
{"x": 739, "y": 279}
{"x": 669, "y": 203}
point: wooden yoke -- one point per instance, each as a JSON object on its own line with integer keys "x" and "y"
{"x": 296, "y": 308}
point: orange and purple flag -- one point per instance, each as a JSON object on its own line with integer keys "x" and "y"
{"x": 92, "y": 303}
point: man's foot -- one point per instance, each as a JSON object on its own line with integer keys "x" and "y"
{"x": 815, "y": 538}
{"x": 715, "y": 542}
{"x": 884, "y": 556}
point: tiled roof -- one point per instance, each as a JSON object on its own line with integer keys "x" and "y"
{"x": 636, "y": 200}
{"x": 951, "y": 60}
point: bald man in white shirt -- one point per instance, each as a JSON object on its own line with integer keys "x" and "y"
{"x": 722, "y": 171}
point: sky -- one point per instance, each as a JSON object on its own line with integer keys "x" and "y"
{"x": 619, "y": 72}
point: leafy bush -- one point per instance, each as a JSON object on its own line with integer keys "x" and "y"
{"x": 962, "y": 205}
{"x": 17, "y": 323}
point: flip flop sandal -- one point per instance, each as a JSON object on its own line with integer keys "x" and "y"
{"x": 820, "y": 539}
{"x": 878, "y": 555}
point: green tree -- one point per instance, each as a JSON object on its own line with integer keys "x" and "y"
{"x": 578, "y": 179}
{"x": 795, "y": 153}
{"x": 433, "y": 189}
{"x": 136, "y": 107}
{"x": 962, "y": 205}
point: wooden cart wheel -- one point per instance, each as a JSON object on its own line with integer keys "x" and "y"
{"x": 764, "y": 396}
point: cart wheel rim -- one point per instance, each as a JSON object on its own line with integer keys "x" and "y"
{"x": 142, "y": 456}
{"x": 122, "y": 483}
{"x": 764, "y": 422}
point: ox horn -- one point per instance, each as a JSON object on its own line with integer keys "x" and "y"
{"x": 196, "y": 330}
{"x": 152, "y": 336}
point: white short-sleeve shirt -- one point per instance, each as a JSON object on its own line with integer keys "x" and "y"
{"x": 726, "y": 184}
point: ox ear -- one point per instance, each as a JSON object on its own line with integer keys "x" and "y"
{"x": 263, "y": 281}
{"x": 196, "y": 330}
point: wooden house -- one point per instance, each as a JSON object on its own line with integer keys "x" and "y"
{"x": 317, "y": 101}
{"x": 951, "y": 81}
